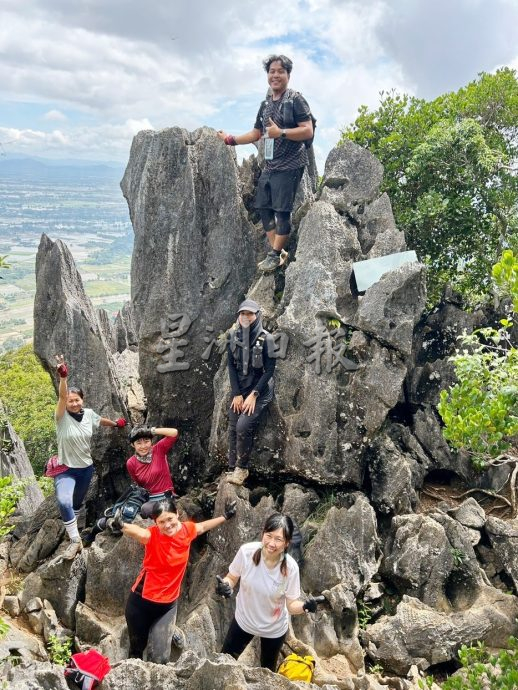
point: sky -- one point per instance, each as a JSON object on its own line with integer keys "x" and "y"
{"x": 80, "y": 79}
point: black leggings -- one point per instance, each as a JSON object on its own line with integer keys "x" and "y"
{"x": 141, "y": 614}
{"x": 237, "y": 639}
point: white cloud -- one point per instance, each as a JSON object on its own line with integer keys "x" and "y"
{"x": 116, "y": 66}
{"x": 55, "y": 116}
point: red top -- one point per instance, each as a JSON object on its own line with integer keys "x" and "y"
{"x": 155, "y": 476}
{"x": 165, "y": 562}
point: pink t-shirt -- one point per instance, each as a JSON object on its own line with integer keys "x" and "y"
{"x": 155, "y": 476}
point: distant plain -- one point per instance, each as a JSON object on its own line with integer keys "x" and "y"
{"x": 80, "y": 204}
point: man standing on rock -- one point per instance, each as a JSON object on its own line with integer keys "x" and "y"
{"x": 284, "y": 120}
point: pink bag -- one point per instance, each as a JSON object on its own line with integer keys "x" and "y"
{"x": 54, "y": 467}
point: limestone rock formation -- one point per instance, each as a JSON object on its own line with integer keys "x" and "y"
{"x": 419, "y": 635}
{"x": 190, "y": 225}
{"x": 15, "y": 463}
{"x": 66, "y": 323}
{"x": 346, "y": 448}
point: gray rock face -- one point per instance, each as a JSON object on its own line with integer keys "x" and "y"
{"x": 15, "y": 463}
{"x": 190, "y": 224}
{"x": 66, "y": 323}
{"x": 352, "y": 172}
{"x": 27, "y": 554}
{"x": 113, "y": 565}
{"x": 345, "y": 551}
{"x": 31, "y": 676}
{"x": 391, "y": 308}
{"x": 125, "y": 331}
{"x": 432, "y": 558}
{"x": 419, "y": 635}
{"x": 61, "y": 583}
{"x": 504, "y": 540}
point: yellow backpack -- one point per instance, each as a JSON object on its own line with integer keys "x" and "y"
{"x": 297, "y": 667}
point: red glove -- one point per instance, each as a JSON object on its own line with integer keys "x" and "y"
{"x": 63, "y": 370}
{"x": 121, "y": 422}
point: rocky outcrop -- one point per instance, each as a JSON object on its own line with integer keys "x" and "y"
{"x": 15, "y": 463}
{"x": 345, "y": 362}
{"x": 345, "y": 448}
{"x": 419, "y": 635}
{"x": 190, "y": 225}
{"x": 66, "y": 323}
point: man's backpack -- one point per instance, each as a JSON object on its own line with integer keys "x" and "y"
{"x": 87, "y": 669}
{"x": 297, "y": 667}
{"x": 288, "y": 113}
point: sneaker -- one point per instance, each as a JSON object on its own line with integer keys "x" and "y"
{"x": 178, "y": 638}
{"x": 269, "y": 264}
{"x": 88, "y": 537}
{"x": 238, "y": 476}
{"x": 75, "y": 547}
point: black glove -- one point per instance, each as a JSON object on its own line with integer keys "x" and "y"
{"x": 230, "y": 509}
{"x": 115, "y": 523}
{"x": 311, "y": 603}
{"x": 223, "y": 588}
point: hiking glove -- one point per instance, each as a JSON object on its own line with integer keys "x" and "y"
{"x": 230, "y": 509}
{"x": 62, "y": 370}
{"x": 121, "y": 422}
{"x": 311, "y": 603}
{"x": 223, "y": 588}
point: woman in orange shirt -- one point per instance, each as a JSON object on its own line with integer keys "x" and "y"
{"x": 153, "y": 598}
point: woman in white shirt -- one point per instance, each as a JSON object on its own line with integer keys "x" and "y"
{"x": 75, "y": 425}
{"x": 269, "y": 591}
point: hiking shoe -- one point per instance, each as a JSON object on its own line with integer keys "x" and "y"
{"x": 284, "y": 256}
{"x": 238, "y": 476}
{"x": 269, "y": 264}
{"x": 88, "y": 537}
{"x": 178, "y": 638}
{"x": 75, "y": 547}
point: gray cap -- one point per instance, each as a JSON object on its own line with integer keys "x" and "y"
{"x": 249, "y": 305}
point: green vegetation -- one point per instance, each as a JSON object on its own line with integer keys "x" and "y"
{"x": 480, "y": 669}
{"x": 480, "y": 411}
{"x": 449, "y": 174}
{"x": 29, "y": 399}
{"x": 364, "y": 613}
{"x": 4, "y": 628}
{"x": 10, "y": 493}
{"x": 458, "y": 556}
{"x": 60, "y": 649}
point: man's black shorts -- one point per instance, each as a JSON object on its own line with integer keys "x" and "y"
{"x": 276, "y": 190}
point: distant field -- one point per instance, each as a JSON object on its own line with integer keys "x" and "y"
{"x": 91, "y": 218}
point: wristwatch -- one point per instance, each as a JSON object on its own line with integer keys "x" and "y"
{"x": 255, "y": 394}
{"x": 283, "y": 134}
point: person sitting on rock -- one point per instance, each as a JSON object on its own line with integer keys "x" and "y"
{"x": 75, "y": 425}
{"x": 152, "y": 604}
{"x": 250, "y": 368}
{"x": 268, "y": 593}
{"x": 151, "y": 475}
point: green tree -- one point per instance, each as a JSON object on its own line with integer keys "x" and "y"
{"x": 480, "y": 412}
{"x": 29, "y": 400}
{"x": 450, "y": 174}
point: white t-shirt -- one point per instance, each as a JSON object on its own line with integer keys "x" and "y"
{"x": 74, "y": 438}
{"x": 261, "y": 600}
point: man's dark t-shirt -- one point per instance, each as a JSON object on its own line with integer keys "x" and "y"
{"x": 287, "y": 154}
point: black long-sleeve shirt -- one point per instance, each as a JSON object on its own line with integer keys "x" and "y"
{"x": 257, "y": 378}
